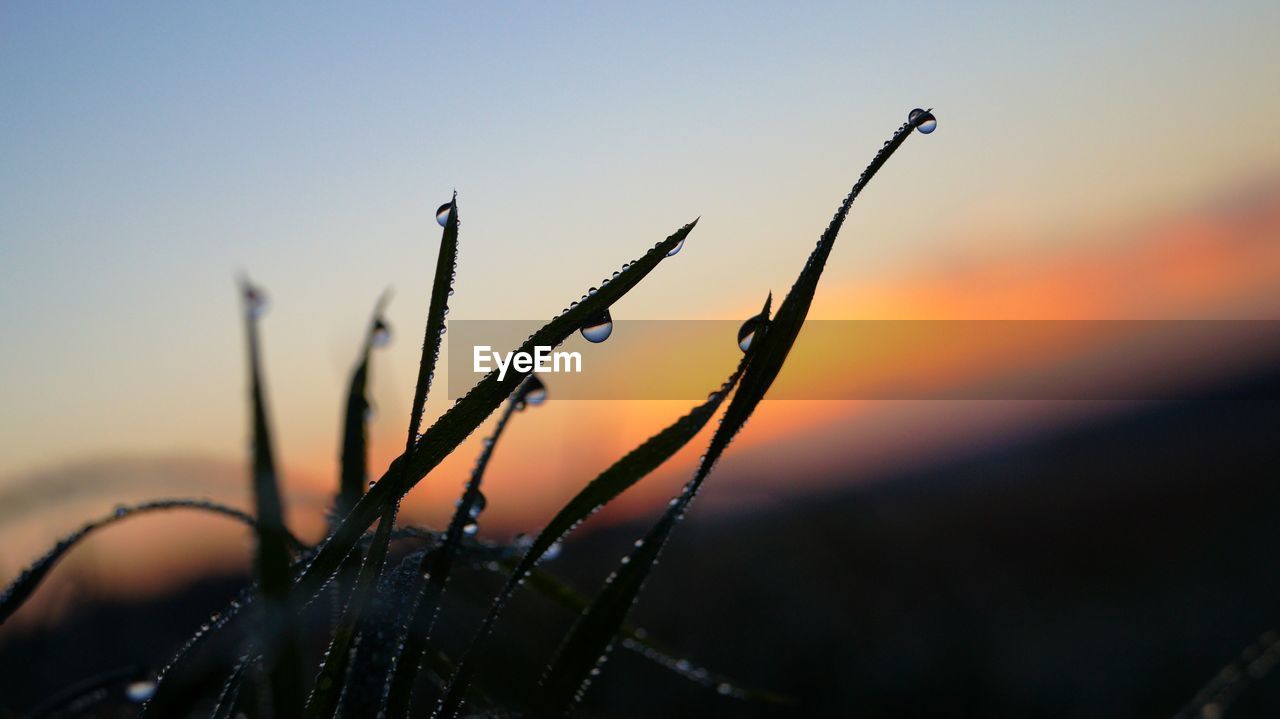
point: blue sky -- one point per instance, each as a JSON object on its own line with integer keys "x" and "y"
{"x": 149, "y": 152}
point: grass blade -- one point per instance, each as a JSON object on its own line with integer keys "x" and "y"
{"x": 354, "y": 468}
{"x": 1252, "y": 665}
{"x": 282, "y": 658}
{"x": 229, "y": 696}
{"x": 21, "y": 589}
{"x": 354, "y": 473}
{"x": 377, "y": 649}
{"x": 325, "y": 695}
{"x": 624, "y": 473}
{"x": 187, "y": 675}
{"x": 436, "y": 569}
{"x": 638, "y": 640}
{"x": 460, "y": 420}
{"x": 79, "y": 698}
{"x": 590, "y": 639}
{"x": 185, "y": 678}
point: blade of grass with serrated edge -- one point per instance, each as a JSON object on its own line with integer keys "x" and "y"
{"x": 78, "y": 698}
{"x": 589, "y": 640}
{"x": 603, "y": 619}
{"x": 460, "y": 420}
{"x": 17, "y": 593}
{"x": 282, "y": 656}
{"x": 398, "y": 697}
{"x": 327, "y": 691}
{"x": 354, "y": 462}
{"x": 638, "y": 640}
{"x": 224, "y": 707}
{"x": 354, "y": 471}
{"x": 179, "y": 684}
{"x": 624, "y": 473}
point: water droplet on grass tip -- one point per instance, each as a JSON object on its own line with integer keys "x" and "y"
{"x": 598, "y": 328}
{"x": 442, "y": 213}
{"x": 747, "y": 332}
{"x": 255, "y": 301}
{"x": 676, "y": 250}
{"x": 381, "y": 334}
{"x": 470, "y": 528}
{"x": 534, "y": 393}
{"x": 140, "y": 691}
{"x": 924, "y": 120}
{"x": 478, "y": 506}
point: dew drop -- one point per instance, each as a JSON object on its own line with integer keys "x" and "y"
{"x": 478, "y": 506}
{"x": 552, "y": 552}
{"x": 381, "y": 334}
{"x": 140, "y": 691}
{"x": 442, "y": 213}
{"x": 470, "y": 528}
{"x": 747, "y": 332}
{"x": 598, "y": 328}
{"x": 926, "y": 124}
{"x": 676, "y": 250}
{"x": 255, "y": 301}
{"x": 534, "y": 393}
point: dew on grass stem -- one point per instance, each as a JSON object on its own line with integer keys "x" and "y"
{"x": 255, "y": 301}
{"x": 140, "y": 691}
{"x": 442, "y": 213}
{"x": 381, "y": 334}
{"x": 533, "y": 394}
{"x": 924, "y": 120}
{"x": 598, "y": 328}
{"x": 747, "y": 332}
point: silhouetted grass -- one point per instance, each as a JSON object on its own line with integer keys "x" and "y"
{"x": 383, "y": 645}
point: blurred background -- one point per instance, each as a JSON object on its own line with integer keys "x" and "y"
{"x": 1011, "y": 558}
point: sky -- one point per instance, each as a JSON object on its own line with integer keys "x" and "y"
{"x": 150, "y": 152}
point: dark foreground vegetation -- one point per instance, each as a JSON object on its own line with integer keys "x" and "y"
{"x": 1105, "y": 571}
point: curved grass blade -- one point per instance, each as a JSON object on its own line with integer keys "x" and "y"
{"x": 184, "y": 679}
{"x": 326, "y": 693}
{"x": 25, "y": 584}
{"x": 1252, "y": 665}
{"x": 177, "y": 690}
{"x": 397, "y": 596}
{"x": 354, "y": 473}
{"x": 282, "y": 655}
{"x": 229, "y": 696}
{"x": 354, "y": 468}
{"x": 588, "y": 643}
{"x": 81, "y": 696}
{"x": 619, "y": 477}
{"x": 390, "y": 610}
{"x": 460, "y": 420}
{"x": 435, "y": 573}
{"x": 637, "y": 640}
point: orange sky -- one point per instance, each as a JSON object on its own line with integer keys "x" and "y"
{"x": 1221, "y": 260}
